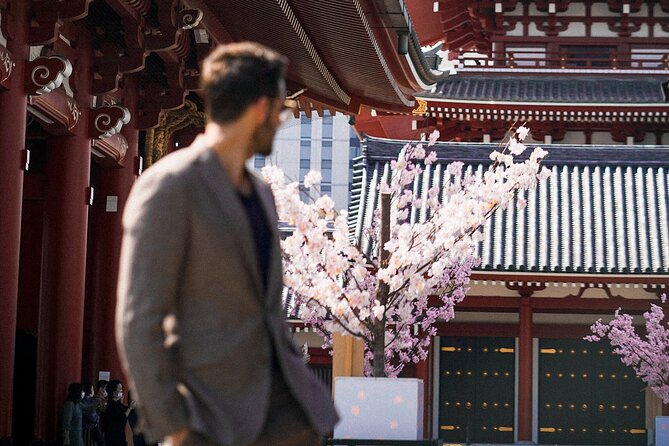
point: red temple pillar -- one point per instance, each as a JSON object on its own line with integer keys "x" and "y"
{"x": 525, "y": 371}
{"x": 114, "y": 182}
{"x": 61, "y": 312}
{"x": 13, "y": 108}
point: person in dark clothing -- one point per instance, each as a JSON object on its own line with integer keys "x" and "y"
{"x": 72, "y": 432}
{"x": 116, "y": 415}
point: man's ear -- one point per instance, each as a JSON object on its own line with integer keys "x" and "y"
{"x": 261, "y": 109}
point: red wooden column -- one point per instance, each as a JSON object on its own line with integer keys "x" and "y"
{"x": 61, "y": 312}
{"x": 105, "y": 249}
{"x": 525, "y": 371}
{"x": 13, "y": 107}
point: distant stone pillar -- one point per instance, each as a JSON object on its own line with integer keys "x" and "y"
{"x": 61, "y": 312}
{"x": 525, "y": 371}
{"x": 13, "y": 109}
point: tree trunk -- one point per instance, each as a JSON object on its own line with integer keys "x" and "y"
{"x": 382, "y": 291}
{"x": 379, "y": 370}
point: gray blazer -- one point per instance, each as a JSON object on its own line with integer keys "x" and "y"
{"x": 193, "y": 325}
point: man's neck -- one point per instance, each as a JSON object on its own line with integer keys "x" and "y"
{"x": 230, "y": 143}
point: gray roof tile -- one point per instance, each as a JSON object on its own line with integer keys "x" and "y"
{"x": 604, "y": 209}
{"x": 551, "y": 89}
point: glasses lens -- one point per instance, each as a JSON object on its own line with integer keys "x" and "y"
{"x": 287, "y": 109}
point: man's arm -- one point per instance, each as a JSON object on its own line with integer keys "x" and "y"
{"x": 152, "y": 255}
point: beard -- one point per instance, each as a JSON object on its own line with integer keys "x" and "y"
{"x": 263, "y": 138}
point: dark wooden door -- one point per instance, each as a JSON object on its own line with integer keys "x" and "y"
{"x": 587, "y": 396}
{"x": 476, "y": 390}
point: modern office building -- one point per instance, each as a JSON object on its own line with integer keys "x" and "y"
{"x": 327, "y": 144}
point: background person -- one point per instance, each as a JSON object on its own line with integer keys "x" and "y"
{"x": 72, "y": 417}
{"x": 115, "y": 416}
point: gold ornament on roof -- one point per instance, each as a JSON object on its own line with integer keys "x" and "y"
{"x": 421, "y": 109}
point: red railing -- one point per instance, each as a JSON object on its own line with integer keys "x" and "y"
{"x": 529, "y": 59}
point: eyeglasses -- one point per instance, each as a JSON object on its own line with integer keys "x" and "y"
{"x": 287, "y": 111}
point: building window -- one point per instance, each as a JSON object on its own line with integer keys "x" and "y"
{"x": 259, "y": 161}
{"x": 305, "y": 149}
{"x": 326, "y": 188}
{"x": 305, "y": 127}
{"x": 353, "y": 153}
{"x": 327, "y": 126}
{"x": 587, "y": 56}
{"x": 326, "y": 150}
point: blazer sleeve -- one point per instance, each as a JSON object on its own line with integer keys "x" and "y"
{"x": 155, "y": 237}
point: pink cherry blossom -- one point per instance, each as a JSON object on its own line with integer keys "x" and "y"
{"x": 434, "y": 136}
{"x": 340, "y": 285}
{"x": 648, "y": 355}
{"x": 522, "y": 132}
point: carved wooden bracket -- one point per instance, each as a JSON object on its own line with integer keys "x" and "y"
{"x": 624, "y": 28}
{"x": 6, "y": 65}
{"x": 618, "y": 5}
{"x": 603, "y": 286}
{"x": 540, "y": 129}
{"x": 552, "y": 28}
{"x": 665, "y": 5}
{"x": 621, "y": 130}
{"x": 171, "y": 31}
{"x": 189, "y": 18}
{"x": 48, "y": 17}
{"x": 110, "y": 151}
{"x": 45, "y": 74}
{"x": 525, "y": 289}
{"x": 658, "y": 290}
{"x": 58, "y": 112}
{"x": 163, "y": 31}
{"x": 545, "y": 5}
{"x": 118, "y": 47}
{"x": 161, "y": 88}
{"x": 107, "y": 121}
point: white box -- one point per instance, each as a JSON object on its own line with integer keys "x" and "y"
{"x": 379, "y": 408}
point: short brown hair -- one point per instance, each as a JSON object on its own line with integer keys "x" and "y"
{"x": 238, "y": 74}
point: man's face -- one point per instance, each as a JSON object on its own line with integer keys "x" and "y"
{"x": 263, "y": 137}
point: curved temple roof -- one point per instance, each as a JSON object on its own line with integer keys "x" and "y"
{"x": 551, "y": 89}
{"x": 344, "y": 52}
{"x": 605, "y": 209}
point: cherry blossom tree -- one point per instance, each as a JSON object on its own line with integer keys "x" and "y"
{"x": 391, "y": 290}
{"x": 648, "y": 355}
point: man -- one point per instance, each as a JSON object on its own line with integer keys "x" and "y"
{"x": 199, "y": 320}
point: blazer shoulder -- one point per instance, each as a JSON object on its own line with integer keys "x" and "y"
{"x": 163, "y": 185}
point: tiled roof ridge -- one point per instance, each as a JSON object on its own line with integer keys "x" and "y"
{"x": 556, "y": 88}
{"x": 592, "y": 216}
{"x": 382, "y": 149}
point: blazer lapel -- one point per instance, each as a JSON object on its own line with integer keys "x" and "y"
{"x": 264, "y": 193}
{"x": 230, "y": 205}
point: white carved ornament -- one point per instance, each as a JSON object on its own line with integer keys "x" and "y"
{"x": 103, "y": 122}
{"x": 41, "y": 74}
